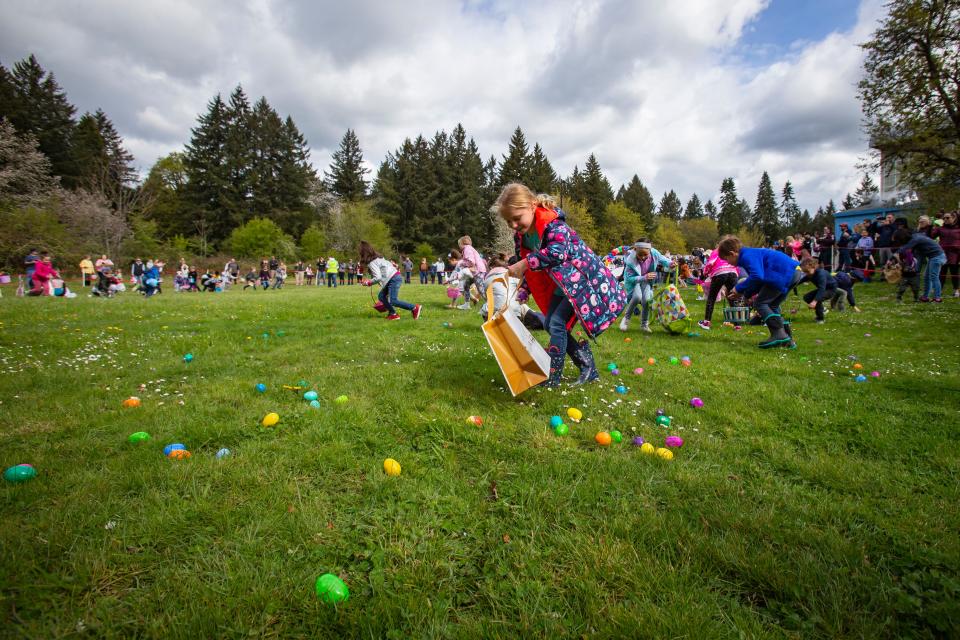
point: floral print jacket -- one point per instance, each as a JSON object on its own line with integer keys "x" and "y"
{"x": 565, "y": 261}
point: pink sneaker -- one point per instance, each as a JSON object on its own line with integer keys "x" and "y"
{"x": 704, "y": 324}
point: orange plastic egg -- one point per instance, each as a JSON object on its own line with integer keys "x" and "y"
{"x": 603, "y": 439}
{"x": 132, "y": 401}
{"x": 179, "y": 454}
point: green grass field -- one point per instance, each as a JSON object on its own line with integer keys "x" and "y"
{"x": 802, "y": 504}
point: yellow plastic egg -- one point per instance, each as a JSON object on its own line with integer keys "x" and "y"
{"x": 665, "y": 453}
{"x": 270, "y": 419}
{"x": 647, "y": 448}
{"x": 391, "y": 467}
{"x": 575, "y": 414}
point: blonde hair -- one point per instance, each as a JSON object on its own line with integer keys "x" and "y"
{"x": 518, "y": 196}
{"x": 464, "y": 241}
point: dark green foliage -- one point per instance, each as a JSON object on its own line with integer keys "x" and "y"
{"x": 208, "y": 174}
{"x": 346, "y": 177}
{"x": 597, "y": 192}
{"x": 541, "y": 176}
{"x": 516, "y": 162}
{"x": 789, "y": 211}
{"x": 710, "y": 210}
{"x": 694, "y": 209}
{"x": 670, "y": 206}
{"x": 35, "y": 104}
{"x": 866, "y": 192}
{"x": 637, "y": 198}
{"x": 766, "y": 216}
{"x": 730, "y": 218}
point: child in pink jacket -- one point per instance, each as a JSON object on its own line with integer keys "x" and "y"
{"x": 721, "y": 274}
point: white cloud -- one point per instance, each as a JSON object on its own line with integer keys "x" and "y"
{"x": 652, "y": 88}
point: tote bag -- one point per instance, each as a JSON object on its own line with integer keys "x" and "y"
{"x": 520, "y": 357}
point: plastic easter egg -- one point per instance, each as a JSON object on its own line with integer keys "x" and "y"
{"x": 138, "y": 436}
{"x": 340, "y": 399}
{"x": 648, "y": 448}
{"x": 858, "y": 366}
{"x": 391, "y": 467}
{"x": 861, "y": 378}
{"x": 696, "y": 403}
{"x": 663, "y": 421}
{"x": 616, "y": 436}
{"x": 615, "y": 372}
{"x": 446, "y": 325}
{"x": 693, "y": 334}
{"x": 621, "y": 389}
{"x": 651, "y": 361}
{"x": 132, "y": 401}
{"x": 475, "y": 420}
{"x": 222, "y": 453}
{"x": 874, "y": 374}
{"x": 170, "y": 448}
{"x": 674, "y": 360}
{"x": 331, "y": 589}
{"x": 270, "y": 419}
{"x": 673, "y": 441}
{"x": 19, "y": 473}
{"x": 868, "y": 335}
{"x": 637, "y": 441}
{"x": 265, "y": 335}
{"x": 661, "y": 412}
{"x": 666, "y": 454}
{"x": 575, "y": 414}
{"x": 188, "y": 357}
{"x": 310, "y": 396}
{"x": 555, "y": 421}
{"x": 562, "y": 429}
{"x": 314, "y": 404}
{"x": 179, "y": 454}
{"x": 261, "y": 388}
{"x": 628, "y": 339}
{"x": 638, "y": 371}
{"x": 302, "y": 384}
{"x": 611, "y": 366}
{"x": 603, "y": 438}
{"x": 280, "y": 334}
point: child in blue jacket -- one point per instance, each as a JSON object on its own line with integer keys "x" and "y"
{"x": 770, "y": 275}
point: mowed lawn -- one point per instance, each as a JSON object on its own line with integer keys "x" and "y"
{"x": 802, "y": 504}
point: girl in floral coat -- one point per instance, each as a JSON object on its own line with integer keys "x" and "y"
{"x": 564, "y": 276}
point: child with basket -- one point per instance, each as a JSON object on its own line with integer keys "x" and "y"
{"x": 567, "y": 279}
{"x": 639, "y": 273}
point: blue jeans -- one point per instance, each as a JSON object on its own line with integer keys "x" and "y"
{"x": 931, "y": 279}
{"x": 556, "y": 321}
{"x": 332, "y": 280}
{"x": 388, "y": 295}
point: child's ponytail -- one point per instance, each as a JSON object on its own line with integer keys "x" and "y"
{"x": 519, "y": 196}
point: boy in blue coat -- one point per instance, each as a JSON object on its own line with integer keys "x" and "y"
{"x": 770, "y": 275}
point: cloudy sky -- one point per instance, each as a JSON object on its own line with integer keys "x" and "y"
{"x": 682, "y": 93}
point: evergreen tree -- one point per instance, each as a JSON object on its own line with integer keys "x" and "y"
{"x": 166, "y": 187}
{"x": 346, "y": 175}
{"x": 730, "y": 218}
{"x": 119, "y": 167}
{"x": 238, "y": 157}
{"x": 35, "y": 104}
{"x": 265, "y": 134}
{"x": 541, "y": 175}
{"x": 515, "y": 167}
{"x": 710, "y": 210}
{"x": 694, "y": 209}
{"x": 745, "y": 213}
{"x": 294, "y": 172}
{"x": 597, "y": 193}
{"x": 576, "y": 186}
{"x": 208, "y": 174}
{"x": 637, "y": 198}
{"x": 766, "y": 216}
{"x": 790, "y": 212}
{"x": 89, "y": 151}
{"x": 866, "y": 192}
{"x": 670, "y": 206}
{"x": 849, "y": 202}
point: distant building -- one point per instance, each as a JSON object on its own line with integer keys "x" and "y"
{"x": 891, "y": 189}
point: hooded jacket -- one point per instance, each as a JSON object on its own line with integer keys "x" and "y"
{"x": 564, "y": 261}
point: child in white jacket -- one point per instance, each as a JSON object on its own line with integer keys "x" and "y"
{"x": 383, "y": 272}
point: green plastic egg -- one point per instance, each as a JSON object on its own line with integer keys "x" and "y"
{"x": 20, "y": 473}
{"x": 616, "y": 436}
{"x": 663, "y": 421}
{"x": 562, "y": 429}
{"x": 331, "y": 589}
{"x": 139, "y": 436}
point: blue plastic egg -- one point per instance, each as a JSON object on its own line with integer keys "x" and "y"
{"x": 555, "y": 422}
{"x": 310, "y": 396}
{"x": 621, "y": 389}
{"x": 261, "y": 387}
{"x": 222, "y": 453}
{"x": 315, "y": 404}
{"x": 172, "y": 447}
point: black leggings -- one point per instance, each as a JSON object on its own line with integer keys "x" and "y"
{"x": 954, "y": 270}
{"x": 728, "y": 280}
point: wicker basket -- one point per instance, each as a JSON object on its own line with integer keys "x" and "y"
{"x": 736, "y": 315}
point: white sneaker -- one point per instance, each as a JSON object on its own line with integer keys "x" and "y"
{"x": 464, "y": 307}
{"x": 624, "y": 324}
{"x": 956, "y": 293}
{"x": 704, "y": 324}
{"x": 646, "y": 328}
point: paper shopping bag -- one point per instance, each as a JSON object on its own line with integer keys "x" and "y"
{"x": 522, "y": 360}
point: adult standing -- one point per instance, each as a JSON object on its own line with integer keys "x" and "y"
{"x": 321, "y": 271}
{"x": 424, "y": 271}
{"x": 136, "y": 272}
{"x": 332, "y": 266}
{"x": 231, "y": 272}
{"x": 86, "y": 270}
{"x": 298, "y": 271}
{"x": 949, "y": 237}
{"x": 883, "y": 239}
{"x": 407, "y": 269}
{"x": 843, "y": 242}
{"x": 103, "y": 261}
{"x": 925, "y": 247}
{"x": 440, "y": 268}
{"x": 826, "y": 242}
{"x": 341, "y": 272}
{"x": 351, "y": 271}
{"x": 272, "y": 266}
{"x": 30, "y": 265}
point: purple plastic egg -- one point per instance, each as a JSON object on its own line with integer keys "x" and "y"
{"x": 696, "y": 403}
{"x": 673, "y": 441}
{"x": 637, "y": 441}
{"x": 615, "y": 372}
{"x": 875, "y": 374}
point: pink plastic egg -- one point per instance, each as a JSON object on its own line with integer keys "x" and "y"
{"x": 696, "y": 403}
{"x": 638, "y": 371}
{"x": 673, "y": 441}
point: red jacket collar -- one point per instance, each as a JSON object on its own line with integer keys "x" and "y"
{"x": 543, "y": 217}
